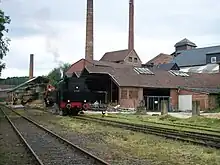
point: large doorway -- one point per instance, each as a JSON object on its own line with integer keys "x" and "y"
{"x": 102, "y": 83}
{"x": 156, "y": 98}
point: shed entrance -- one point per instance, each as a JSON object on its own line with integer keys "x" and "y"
{"x": 103, "y": 83}
{"x": 156, "y": 98}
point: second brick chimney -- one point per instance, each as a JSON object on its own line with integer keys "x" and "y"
{"x": 31, "y": 66}
{"x": 89, "y": 31}
{"x": 131, "y": 25}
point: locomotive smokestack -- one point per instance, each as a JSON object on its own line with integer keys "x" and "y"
{"x": 31, "y": 67}
{"x": 131, "y": 25}
{"x": 89, "y": 31}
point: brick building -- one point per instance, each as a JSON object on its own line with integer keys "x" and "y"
{"x": 129, "y": 85}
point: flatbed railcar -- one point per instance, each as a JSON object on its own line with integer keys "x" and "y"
{"x": 72, "y": 96}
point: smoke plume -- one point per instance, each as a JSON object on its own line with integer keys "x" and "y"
{"x": 42, "y": 18}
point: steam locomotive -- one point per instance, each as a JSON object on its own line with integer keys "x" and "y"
{"x": 72, "y": 96}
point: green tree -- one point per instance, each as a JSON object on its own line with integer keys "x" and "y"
{"x": 4, "y": 41}
{"x": 56, "y": 74}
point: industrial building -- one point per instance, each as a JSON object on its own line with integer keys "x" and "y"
{"x": 130, "y": 84}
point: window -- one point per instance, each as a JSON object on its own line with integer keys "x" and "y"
{"x": 178, "y": 73}
{"x": 124, "y": 94}
{"x": 143, "y": 71}
{"x": 133, "y": 94}
{"x": 130, "y": 59}
{"x": 135, "y": 60}
{"x": 213, "y": 60}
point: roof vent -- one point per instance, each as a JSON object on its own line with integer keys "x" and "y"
{"x": 184, "y": 44}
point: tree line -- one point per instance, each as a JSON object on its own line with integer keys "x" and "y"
{"x": 55, "y": 75}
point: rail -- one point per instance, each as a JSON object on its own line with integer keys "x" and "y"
{"x": 92, "y": 157}
{"x": 206, "y": 139}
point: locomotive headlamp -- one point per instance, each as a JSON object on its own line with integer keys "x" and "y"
{"x": 77, "y": 87}
{"x": 68, "y": 101}
{"x": 84, "y": 101}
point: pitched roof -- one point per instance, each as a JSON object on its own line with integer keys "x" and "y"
{"x": 76, "y": 68}
{"x": 160, "y": 78}
{"x": 185, "y": 41}
{"x": 161, "y": 59}
{"x": 115, "y": 56}
{"x": 167, "y": 67}
{"x": 194, "y": 57}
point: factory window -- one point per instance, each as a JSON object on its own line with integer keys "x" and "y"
{"x": 133, "y": 94}
{"x": 123, "y": 94}
{"x": 135, "y": 60}
{"x": 130, "y": 59}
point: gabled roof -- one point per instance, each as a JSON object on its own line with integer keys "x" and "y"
{"x": 185, "y": 41}
{"x": 115, "y": 56}
{"x": 160, "y": 59}
{"x": 167, "y": 67}
{"x": 160, "y": 78}
{"x": 194, "y": 57}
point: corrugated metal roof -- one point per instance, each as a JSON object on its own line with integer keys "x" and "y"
{"x": 209, "y": 68}
{"x": 194, "y": 57}
{"x": 39, "y": 78}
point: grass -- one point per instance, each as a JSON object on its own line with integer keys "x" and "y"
{"x": 217, "y": 110}
{"x": 144, "y": 119}
{"x": 123, "y": 144}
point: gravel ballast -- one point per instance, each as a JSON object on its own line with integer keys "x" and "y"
{"x": 12, "y": 150}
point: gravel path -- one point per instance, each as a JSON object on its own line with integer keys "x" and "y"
{"x": 93, "y": 142}
{"x": 12, "y": 150}
{"x": 49, "y": 149}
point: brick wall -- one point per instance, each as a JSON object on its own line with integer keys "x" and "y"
{"x": 206, "y": 101}
{"x": 130, "y": 97}
{"x": 201, "y": 97}
{"x": 212, "y": 102}
{"x": 174, "y": 99}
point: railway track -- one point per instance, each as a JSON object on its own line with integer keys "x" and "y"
{"x": 182, "y": 125}
{"x": 47, "y": 147}
{"x": 206, "y": 139}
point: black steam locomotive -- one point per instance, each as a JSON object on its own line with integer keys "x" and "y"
{"x": 72, "y": 96}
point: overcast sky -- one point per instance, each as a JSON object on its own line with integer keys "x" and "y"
{"x": 54, "y": 30}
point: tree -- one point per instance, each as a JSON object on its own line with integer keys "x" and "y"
{"x": 4, "y": 41}
{"x": 56, "y": 74}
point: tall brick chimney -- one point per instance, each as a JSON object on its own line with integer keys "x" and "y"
{"x": 131, "y": 25}
{"x": 31, "y": 67}
{"x": 89, "y": 31}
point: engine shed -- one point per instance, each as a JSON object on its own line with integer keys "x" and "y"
{"x": 101, "y": 83}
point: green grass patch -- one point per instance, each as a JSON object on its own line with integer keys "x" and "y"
{"x": 120, "y": 144}
{"x": 217, "y": 110}
{"x": 156, "y": 149}
{"x": 197, "y": 121}
{"x": 200, "y": 123}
